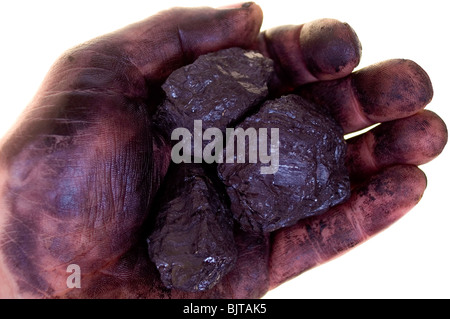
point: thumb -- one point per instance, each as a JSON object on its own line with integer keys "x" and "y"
{"x": 175, "y": 37}
{"x": 79, "y": 168}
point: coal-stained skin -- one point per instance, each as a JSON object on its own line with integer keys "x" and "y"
{"x": 381, "y": 92}
{"x": 415, "y": 140}
{"x": 320, "y": 50}
{"x": 373, "y": 206}
{"x": 192, "y": 243}
{"x": 311, "y": 175}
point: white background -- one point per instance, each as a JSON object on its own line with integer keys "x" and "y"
{"x": 409, "y": 260}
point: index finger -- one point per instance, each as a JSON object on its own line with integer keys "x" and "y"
{"x": 323, "y": 49}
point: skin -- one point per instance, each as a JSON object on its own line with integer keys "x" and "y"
{"x": 80, "y": 169}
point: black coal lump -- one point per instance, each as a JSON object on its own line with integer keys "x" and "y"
{"x": 192, "y": 244}
{"x": 311, "y": 175}
{"x": 219, "y": 88}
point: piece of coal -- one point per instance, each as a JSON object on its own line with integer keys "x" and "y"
{"x": 192, "y": 243}
{"x": 219, "y": 88}
{"x": 309, "y": 178}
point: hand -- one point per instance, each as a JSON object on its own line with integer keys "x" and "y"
{"x": 79, "y": 171}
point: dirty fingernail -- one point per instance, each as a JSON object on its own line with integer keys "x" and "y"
{"x": 237, "y": 5}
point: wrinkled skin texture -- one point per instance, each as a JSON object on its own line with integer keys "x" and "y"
{"x": 80, "y": 169}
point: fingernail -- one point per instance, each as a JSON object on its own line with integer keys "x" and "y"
{"x": 237, "y": 5}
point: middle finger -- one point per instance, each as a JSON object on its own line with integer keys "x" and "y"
{"x": 413, "y": 140}
{"x": 382, "y": 92}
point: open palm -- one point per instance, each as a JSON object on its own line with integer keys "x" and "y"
{"x": 80, "y": 169}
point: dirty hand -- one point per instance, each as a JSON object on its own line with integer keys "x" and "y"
{"x": 80, "y": 169}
